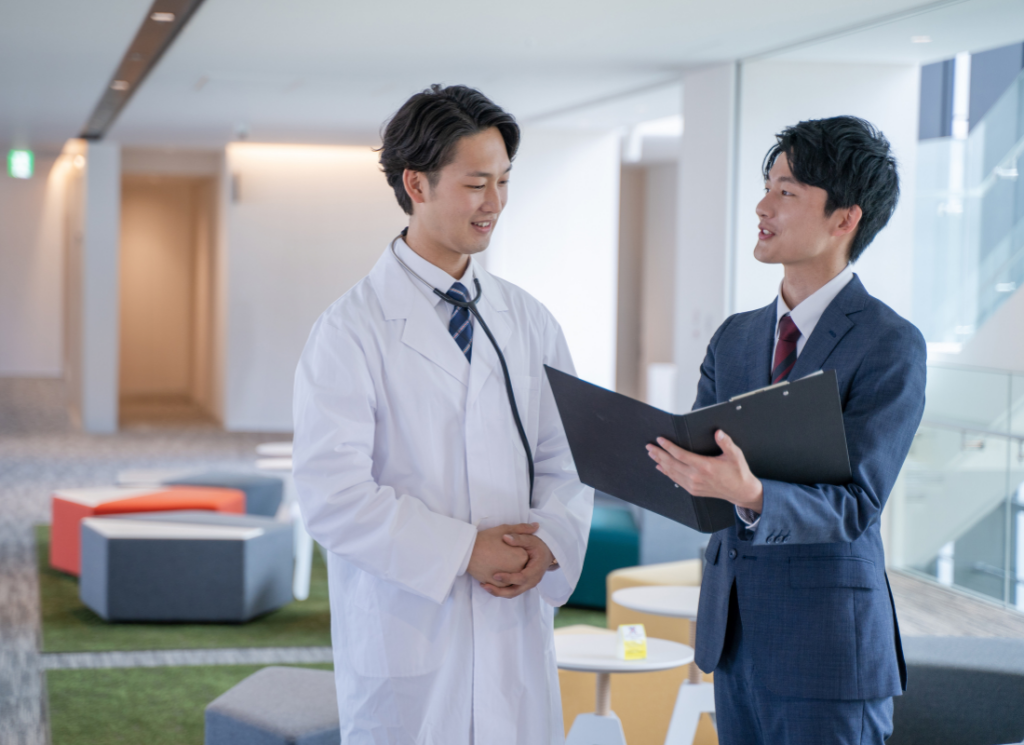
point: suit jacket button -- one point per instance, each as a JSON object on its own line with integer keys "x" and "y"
{"x": 733, "y": 553}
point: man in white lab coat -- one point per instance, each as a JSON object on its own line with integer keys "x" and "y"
{"x": 410, "y": 469}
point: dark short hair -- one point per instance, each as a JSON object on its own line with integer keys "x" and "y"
{"x": 422, "y": 135}
{"x": 852, "y": 161}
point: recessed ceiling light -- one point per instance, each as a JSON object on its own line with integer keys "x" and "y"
{"x": 120, "y": 85}
{"x": 162, "y": 17}
{"x": 920, "y": 40}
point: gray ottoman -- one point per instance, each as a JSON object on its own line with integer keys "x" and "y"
{"x": 275, "y": 706}
{"x": 962, "y": 691}
{"x": 263, "y": 494}
{"x": 185, "y": 566}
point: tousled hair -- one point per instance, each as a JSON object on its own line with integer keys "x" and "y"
{"x": 852, "y": 161}
{"x": 423, "y": 133}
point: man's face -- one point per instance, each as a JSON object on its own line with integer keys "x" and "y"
{"x": 461, "y": 209}
{"x": 793, "y": 228}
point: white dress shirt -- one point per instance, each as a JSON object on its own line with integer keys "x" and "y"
{"x": 806, "y": 316}
{"x": 437, "y": 277}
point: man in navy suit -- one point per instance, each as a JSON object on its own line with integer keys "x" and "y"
{"x": 796, "y": 616}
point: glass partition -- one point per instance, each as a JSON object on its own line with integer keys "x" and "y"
{"x": 969, "y": 222}
{"x": 957, "y": 512}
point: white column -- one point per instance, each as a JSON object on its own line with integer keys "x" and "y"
{"x": 100, "y": 268}
{"x": 559, "y": 235}
{"x": 704, "y": 238}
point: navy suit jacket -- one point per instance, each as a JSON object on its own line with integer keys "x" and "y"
{"x": 810, "y": 580}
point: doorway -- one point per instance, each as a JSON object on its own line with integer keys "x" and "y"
{"x": 167, "y": 286}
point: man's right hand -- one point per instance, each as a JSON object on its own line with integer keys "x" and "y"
{"x": 491, "y": 555}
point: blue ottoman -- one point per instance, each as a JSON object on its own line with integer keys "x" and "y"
{"x": 614, "y": 543}
{"x": 185, "y": 566}
{"x": 263, "y": 494}
{"x": 276, "y": 706}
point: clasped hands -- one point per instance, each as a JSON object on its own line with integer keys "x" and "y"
{"x": 508, "y": 560}
{"x": 726, "y": 476}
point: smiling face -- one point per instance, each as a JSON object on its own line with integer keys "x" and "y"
{"x": 793, "y": 228}
{"x": 455, "y": 213}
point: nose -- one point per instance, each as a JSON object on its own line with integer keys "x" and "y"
{"x": 763, "y": 208}
{"x": 492, "y": 203}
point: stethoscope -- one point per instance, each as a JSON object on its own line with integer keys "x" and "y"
{"x": 470, "y": 305}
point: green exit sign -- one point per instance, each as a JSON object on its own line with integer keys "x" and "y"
{"x": 20, "y": 163}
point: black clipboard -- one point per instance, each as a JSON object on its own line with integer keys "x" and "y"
{"x": 788, "y": 432}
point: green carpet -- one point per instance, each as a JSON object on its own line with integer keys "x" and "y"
{"x": 68, "y": 626}
{"x": 571, "y": 616}
{"x": 137, "y": 706}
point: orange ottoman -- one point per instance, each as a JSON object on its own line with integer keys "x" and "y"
{"x": 69, "y": 506}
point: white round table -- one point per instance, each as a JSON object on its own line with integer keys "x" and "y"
{"x": 695, "y": 696}
{"x": 597, "y": 653}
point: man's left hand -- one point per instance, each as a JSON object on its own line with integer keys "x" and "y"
{"x": 726, "y": 476}
{"x": 538, "y": 562}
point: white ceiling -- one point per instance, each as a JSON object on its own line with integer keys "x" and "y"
{"x": 56, "y": 56}
{"x": 331, "y": 71}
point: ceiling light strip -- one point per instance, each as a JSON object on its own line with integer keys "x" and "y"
{"x": 164, "y": 21}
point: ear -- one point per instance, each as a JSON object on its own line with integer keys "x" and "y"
{"x": 415, "y": 183}
{"x": 849, "y": 219}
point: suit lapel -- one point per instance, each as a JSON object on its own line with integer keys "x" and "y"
{"x": 760, "y": 342}
{"x": 423, "y": 331}
{"x": 833, "y": 326}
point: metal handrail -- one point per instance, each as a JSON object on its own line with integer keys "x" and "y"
{"x": 966, "y": 427}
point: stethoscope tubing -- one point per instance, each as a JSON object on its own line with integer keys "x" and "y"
{"x": 470, "y": 305}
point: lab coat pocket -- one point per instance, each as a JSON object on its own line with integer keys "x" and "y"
{"x": 404, "y": 634}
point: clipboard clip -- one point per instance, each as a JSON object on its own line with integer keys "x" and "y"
{"x": 772, "y": 387}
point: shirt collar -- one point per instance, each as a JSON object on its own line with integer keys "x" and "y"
{"x": 435, "y": 275}
{"x": 807, "y": 314}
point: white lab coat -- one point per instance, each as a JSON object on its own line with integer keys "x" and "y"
{"x": 403, "y": 449}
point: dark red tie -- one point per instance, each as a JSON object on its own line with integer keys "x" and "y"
{"x": 785, "y": 349}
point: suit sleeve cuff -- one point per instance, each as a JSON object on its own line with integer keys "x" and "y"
{"x": 749, "y": 517}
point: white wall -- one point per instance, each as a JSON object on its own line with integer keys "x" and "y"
{"x": 558, "y": 239}
{"x": 308, "y": 223}
{"x": 31, "y": 271}
{"x": 776, "y": 94}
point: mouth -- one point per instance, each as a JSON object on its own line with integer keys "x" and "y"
{"x": 763, "y": 233}
{"x": 483, "y": 226}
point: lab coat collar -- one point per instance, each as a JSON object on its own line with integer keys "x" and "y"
{"x": 435, "y": 275}
{"x": 401, "y": 300}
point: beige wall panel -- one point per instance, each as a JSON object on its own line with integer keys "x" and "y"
{"x": 157, "y": 277}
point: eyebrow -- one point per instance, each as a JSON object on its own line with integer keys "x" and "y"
{"x": 784, "y": 180}
{"x": 484, "y": 174}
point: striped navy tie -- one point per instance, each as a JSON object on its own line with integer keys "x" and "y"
{"x": 460, "y": 327}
